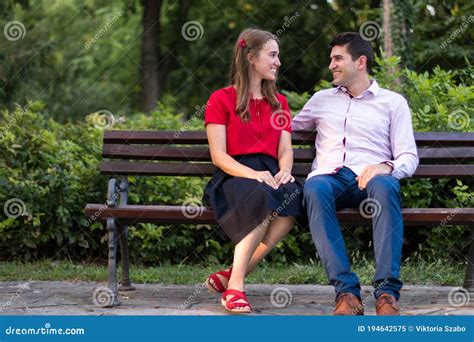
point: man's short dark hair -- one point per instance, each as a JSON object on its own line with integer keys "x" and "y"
{"x": 356, "y": 46}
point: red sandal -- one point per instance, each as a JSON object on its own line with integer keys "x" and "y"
{"x": 216, "y": 284}
{"x": 232, "y": 304}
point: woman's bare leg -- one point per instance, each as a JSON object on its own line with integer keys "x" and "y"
{"x": 242, "y": 254}
{"x": 276, "y": 231}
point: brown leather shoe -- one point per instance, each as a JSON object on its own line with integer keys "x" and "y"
{"x": 348, "y": 304}
{"x": 386, "y": 305}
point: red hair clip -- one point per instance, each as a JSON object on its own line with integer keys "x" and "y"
{"x": 242, "y": 43}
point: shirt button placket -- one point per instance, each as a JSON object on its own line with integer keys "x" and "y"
{"x": 344, "y": 140}
{"x": 260, "y": 123}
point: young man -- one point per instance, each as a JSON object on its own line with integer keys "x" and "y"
{"x": 364, "y": 145}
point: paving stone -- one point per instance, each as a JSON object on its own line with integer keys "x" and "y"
{"x": 76, "y": 298}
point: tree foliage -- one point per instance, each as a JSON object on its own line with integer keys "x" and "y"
{"x": 82, "y": 56}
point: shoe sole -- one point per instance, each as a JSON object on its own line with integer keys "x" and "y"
{"x": 211, "y": 287}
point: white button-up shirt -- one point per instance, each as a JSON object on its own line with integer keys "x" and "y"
{"x": 372, "y": 128}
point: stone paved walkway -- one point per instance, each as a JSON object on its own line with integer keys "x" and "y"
{"x": 76, "y": 298}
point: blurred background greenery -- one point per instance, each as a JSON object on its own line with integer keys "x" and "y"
{"x": 79, "y": 56}
{"x": 80, "y": 59}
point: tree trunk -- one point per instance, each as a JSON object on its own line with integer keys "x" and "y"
{"x": 169, "y": 62}
{"x": 150, "y": 86}
{"x": 387, "y": 36}
{"x": 387, "y": 27}
{"x": 155, "y": 68}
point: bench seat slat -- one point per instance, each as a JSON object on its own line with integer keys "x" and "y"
{"x": 204, "y": 215}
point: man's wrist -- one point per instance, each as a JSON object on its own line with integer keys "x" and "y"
{"x": 390, "y": 164}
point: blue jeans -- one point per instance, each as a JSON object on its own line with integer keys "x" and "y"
{"x": 324, "y": 195}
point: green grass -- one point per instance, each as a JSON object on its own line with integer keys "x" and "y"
{"x": 413, "y": 272}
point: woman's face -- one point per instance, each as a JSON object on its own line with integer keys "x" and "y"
{"x": 266, "y": 64}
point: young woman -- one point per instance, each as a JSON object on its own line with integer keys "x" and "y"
{"x": 254, "y": 196}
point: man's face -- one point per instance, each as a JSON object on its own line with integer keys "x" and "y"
{"x": 344, "y": 70}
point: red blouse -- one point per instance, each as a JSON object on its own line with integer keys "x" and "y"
{"x": 261, "y": 134}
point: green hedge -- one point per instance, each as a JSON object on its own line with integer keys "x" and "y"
{"x": 52, "y": 169}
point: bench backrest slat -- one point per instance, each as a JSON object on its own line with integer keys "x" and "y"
{"x": 201, "y": 153}
{"x": 171, "y": 153}
{"x": 303, "y": 138}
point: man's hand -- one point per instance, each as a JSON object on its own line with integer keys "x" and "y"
{"x": 370, "y": 172}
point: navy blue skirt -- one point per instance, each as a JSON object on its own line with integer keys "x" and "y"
{"x": 241, "y": 204}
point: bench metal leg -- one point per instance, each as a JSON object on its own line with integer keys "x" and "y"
{"x": 112, "y": 230}
{"x": 112, "y": 195}
{"x": 124, "y": 251}
{"x": 469, "y": 279}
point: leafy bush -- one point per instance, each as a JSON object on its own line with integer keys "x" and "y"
{"x": 440, "y": 101}
{"x": 53, "y": 169}
{"x": 50, "y": 170}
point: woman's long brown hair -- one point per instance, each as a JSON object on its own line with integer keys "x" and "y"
{"x": 255, "y": 40}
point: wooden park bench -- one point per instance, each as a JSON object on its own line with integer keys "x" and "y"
{"x": 167, "y": 153}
